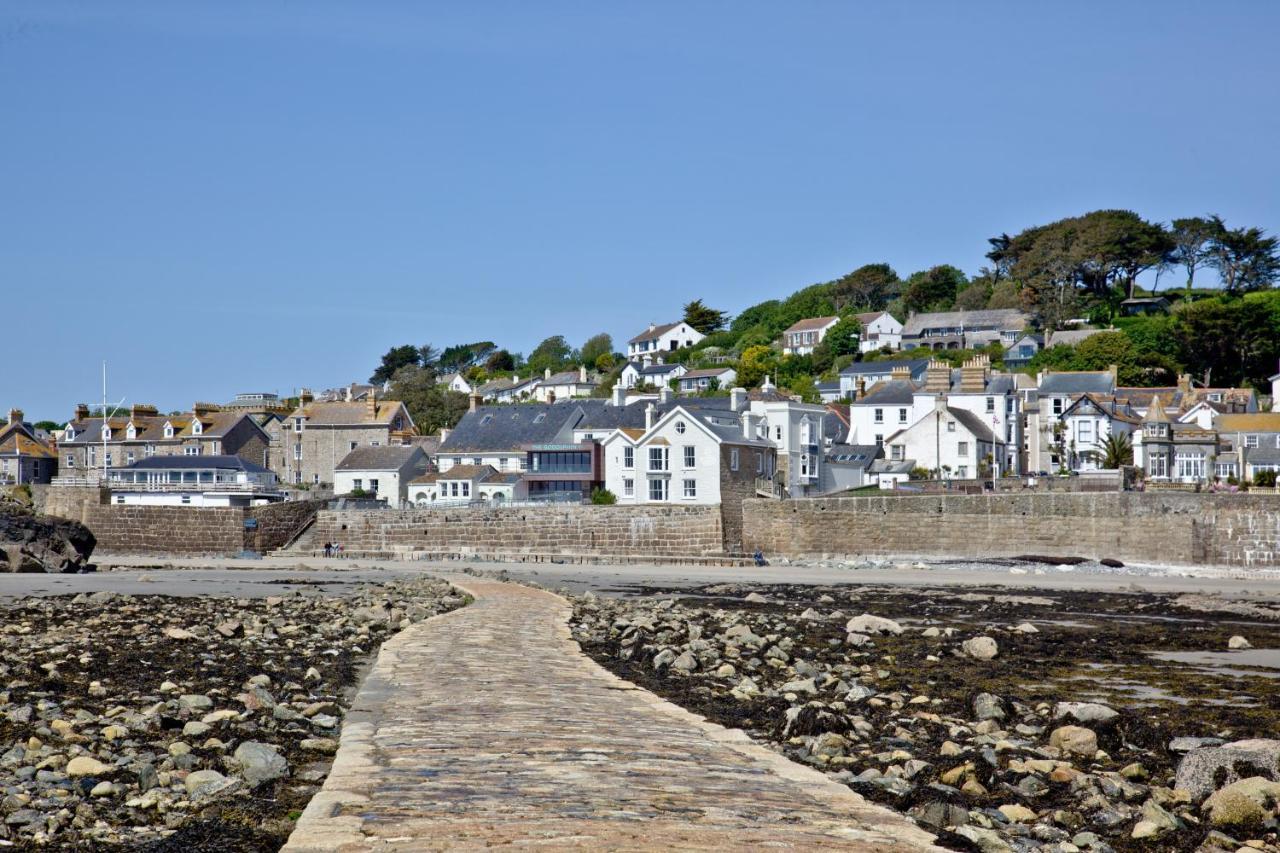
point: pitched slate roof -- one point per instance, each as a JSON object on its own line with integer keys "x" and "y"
{"x": 384, "y": 458}
{"x": 196, "y": 463}
{"x": 1073, "y": 336}
{"x": 864, "y": 368}
{"x": 811, "y": 324}
{"x": 999, "y": 318}
{"x": 1078, "y": 382}
{"x": 657, "y": 330}
{"x": 858, "y": 455}
{"x": 654, "y": 369}
{"x": 981, "y": 430}
{"x": 506, "y": 428}
{"x": 458, "y": 472}
{"x": 895, "y": 392}
{"x": 19, "y": 439}
{"x": 868, "y": 317}
{"x": 706, "y": 373}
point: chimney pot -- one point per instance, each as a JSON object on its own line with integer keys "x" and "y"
{"x": 82, "y": 411}
{"x": 746, "y": 424}
{"x": 650, "y": 413}
{"x": 473, "y": 402}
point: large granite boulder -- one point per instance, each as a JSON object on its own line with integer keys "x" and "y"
{"x": 41, "y": 543}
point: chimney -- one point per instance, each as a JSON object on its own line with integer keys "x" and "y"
{"x": 665, "y": 394}
{"x": 15, "y": 416}
{"x": 646, "y": 360}
{"x": 900, "y": 372}
{"x": 198, "y": 409}
{"x": 661, "y": 360}
{"x": 551, "y": 396}
{"x": 82, "y": 411}
{"x": 973, "y": 375}
{"x": 862, "y": 388}
{"x": 619, "y": 395}
{"x": 650, "y": 415}
{"x": 1184, "y": 383}
{"x": 305, "y": 397}
{"x": 1114, "y": 371}
{"x": 582, "y": 374}
{"x": 937, "y": 377}
{"x": 737, "y": 398}
{"x": 652, "y": 326}
{"x": 473, "y": 402}
{"x": 546, "y": 374}
{"x": 371, "y": 406}
{"x": 141, "y": 410}
{"x": 747, "y": 425}
{"x": 444, "y": 434}
{"x": 767, "y": 384}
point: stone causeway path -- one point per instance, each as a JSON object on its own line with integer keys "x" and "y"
{"x": 488, "y": 727}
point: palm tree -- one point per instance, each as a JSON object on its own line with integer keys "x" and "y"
{"x": 1117, "y": 450}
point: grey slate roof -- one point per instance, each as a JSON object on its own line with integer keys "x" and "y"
{"x": 654, "y": 369}
{"x": 1081, "y": 382}
{"x": 385, "y": 458}
{"x": 895, "y": 392}
{"x": 864, "y": 368}
{"x": 981, "y": 430}
{"x": 196, "y": 463}
{"x": 649, "y": 334}
{"x": 892, "y": 466}
{"x": 855, "y": 455}
{"x": 506, "y": 428}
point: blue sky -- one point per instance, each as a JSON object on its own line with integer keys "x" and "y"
{"x": 222, "y": 197}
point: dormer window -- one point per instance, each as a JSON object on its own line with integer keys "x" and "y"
{"x": 70, "y": 434}
{"x": 132, "y": 432}
{"x": 168, "y": 430}
{"x": 106, "y": 433}
{"x": 196, "y": 427}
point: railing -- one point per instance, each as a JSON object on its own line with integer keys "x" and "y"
{"x": 193, "y": 487}
{"x": 76, "y": 481}
{"x": 769, "y": 488}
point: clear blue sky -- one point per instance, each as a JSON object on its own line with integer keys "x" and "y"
{"x": 221, "y": 196}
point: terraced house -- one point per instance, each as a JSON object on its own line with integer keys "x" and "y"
{"x": 90, "y": 444}
{"x": 25, "y": 457}
{"x": 318, "y": 436}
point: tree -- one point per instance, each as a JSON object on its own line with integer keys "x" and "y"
{"x": 500, "y": 361}
{"x": 703, "y": 318}
{"x": 596, "y": 346}
{"x": 431, "y": 405}
{"x": 1245, "y": 258}
{"x": 933, "y": 289}
{"x": 552, "y": 354}
{"x": 605, "y": 362}
{"x": 755, "y": 364}
{"x": 1226, "y": 341}
{"x": 428, "y": 356}
{"x": 867, "y": 288}
{"x": 841, "y": 339}
{"x": 1117, "y": 450}
{"x": 396, "y": 358}
{"x": 461, "y": 356}
{"x": 975, "y": 296}
{"x": 1192, "y": 238}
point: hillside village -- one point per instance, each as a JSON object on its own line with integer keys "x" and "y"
{"x": 869, "y": 381}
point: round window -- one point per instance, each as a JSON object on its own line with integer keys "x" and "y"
{"x": 680, "y": 427}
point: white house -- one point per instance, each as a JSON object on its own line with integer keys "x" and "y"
{"x": 563, "y": 386}
{"x": 880, "y": 330}
{"x": 498, "y": 436}
{"x": 861, "y": 376}
{"x": 456, "y": 382}
{"x": 508, "y": 390}
{"x": 1087, "y": 424}
{"x": 465, "y": 484}
{"x": 650, "y": 370}
{"x": 384, "y": 472}
{"x": 687, "y": 457}
{"x": 1044, "y": 405}
{"x": 951, "y": 441}
{"x": 694, "y": 381}
{"x": 665, "y": 337}
{"x": 803, "y": 336}
{"x": 197, "y": 481}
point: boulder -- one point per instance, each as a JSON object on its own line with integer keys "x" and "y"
{"x": 868, "y": 624}
{"x": 84, "y": 765}
{"x": 986, "y": 706}
{"x": 1245, "y": 804}
{"x": 1204, "y": 770}
{"x": 42, "y": 543}
{"x": 980, "y": 648}
{"x": 1085, "y": 712}
{"x": 1238, "y": 642}
{"x": 1074, "y": 740}
{"x": 260, "y": 762}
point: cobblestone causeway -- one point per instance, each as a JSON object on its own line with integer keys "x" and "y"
{"x": 488, "y": 727}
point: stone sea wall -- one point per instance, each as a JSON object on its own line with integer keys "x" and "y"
{"x": 1172, "y": 528}
{"x": 605, "y": 530}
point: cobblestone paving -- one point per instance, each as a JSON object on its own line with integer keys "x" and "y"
{"x": 488, "y": 727}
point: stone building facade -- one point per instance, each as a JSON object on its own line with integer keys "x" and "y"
{"x": 317, "y": 436}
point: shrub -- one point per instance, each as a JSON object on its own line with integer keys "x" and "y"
{"x": 603, "y": 497}
{"x": 1265, "y": 478}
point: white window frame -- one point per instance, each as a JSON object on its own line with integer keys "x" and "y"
{"x": 733, "y": 459}
{"x": 659, "y": 489}
{"x": 628, "y": 487}
{"x": 659, "y": 458}
{"x": 690, "y": 486}
{"x": 628, "y": 457}
{"x": 690, "y": 456}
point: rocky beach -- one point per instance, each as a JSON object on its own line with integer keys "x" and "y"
{"x": 150, "y": 722}
{"x": 1000, "y": 720}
